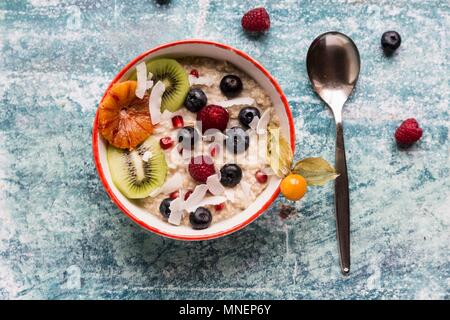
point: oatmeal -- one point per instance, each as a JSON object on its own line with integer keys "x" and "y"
{"x": 201, "y": 159}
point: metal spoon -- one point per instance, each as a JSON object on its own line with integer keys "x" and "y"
{"x": 333, "y": 67}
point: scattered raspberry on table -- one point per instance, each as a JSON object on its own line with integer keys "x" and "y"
{"x": 408, "y": 132}
{"x": 256, "y": 20}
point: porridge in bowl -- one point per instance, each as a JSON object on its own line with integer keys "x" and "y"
{"x": 188, "y": 139}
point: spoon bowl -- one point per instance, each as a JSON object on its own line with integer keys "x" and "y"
{"x": 333, "y": 65}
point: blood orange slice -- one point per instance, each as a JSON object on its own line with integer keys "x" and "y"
{"x": 124, "y": 119}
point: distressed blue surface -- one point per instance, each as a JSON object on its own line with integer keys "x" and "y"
{"x": 61, "y": 237}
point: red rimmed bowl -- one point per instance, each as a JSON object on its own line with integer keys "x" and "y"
{"x": 254, "y": 69}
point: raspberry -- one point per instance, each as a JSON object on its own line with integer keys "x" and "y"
{"x": 200, "y": 168}
{"x": 256, "y": 20}
{"x": 213, "y": 117}
{"x": 408, "y": 132}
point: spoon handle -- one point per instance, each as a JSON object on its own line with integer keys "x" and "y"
{"x": 341, "y": 201}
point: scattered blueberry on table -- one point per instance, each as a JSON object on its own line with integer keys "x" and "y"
{"x": 390, "y": 41}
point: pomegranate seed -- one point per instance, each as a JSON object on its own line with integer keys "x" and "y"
{"x": 174, "y": 195}
{"x": 261, "y": 177}
{"x": 166, "y": 142}
{"x": 194, "y": 72}
{"x": 177, "y": 122}
{"x": 186, "y": 196}
{"x": 219, "y": 207}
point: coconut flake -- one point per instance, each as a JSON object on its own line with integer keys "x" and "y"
{"x": 141, "y": 73}
{"x": 154, "y": 102}
{"x": 147, "y": 155}
{"x": 230, "y": 195}
{"x": 175, "y": 217}
{"x": 261, "y": 128}
{"x": 196, "y": 196}
{"x": 245, "y": 101}
{"x": 181, "y": 194}
{"x": 214, "y": 185}
{"x": 177, "y": 204}
{"x": 172, "y": 184}
{"x": 176, "y": 211}
{"x": 268, "y": 171}
{"x": 246, "y": 188}
{"x": 149, "y": 84}
{"x": 253, "y": 124}
{"x": 201, "y": 81}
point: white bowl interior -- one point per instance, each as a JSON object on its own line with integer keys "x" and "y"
{"x": 211, "y": 51}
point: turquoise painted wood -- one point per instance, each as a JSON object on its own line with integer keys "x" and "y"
{"x": 62, "y": 238}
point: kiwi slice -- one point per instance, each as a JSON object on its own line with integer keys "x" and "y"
{"x": 135, "y": 178}
{"x": 175, "y": 79}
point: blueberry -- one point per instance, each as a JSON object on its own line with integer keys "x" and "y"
{"x": 230, "y": 175}
{"x": 237, "y": 140}
{"x": 231, "y": 85}
{"x": 247, "y": 114}
{"x": 390, "y": 41}
{"x": 201, "y": 218}
{"x": 188, "y": 136}
{"x": 195, "y": 100}
{"x": 164, "y": 207}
